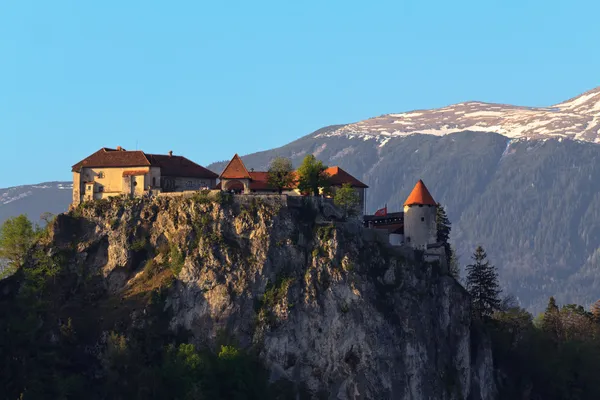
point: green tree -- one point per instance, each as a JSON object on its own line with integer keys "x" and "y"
{"x": 312, "y": 176}
{"x": 16, "y": 237}
{"x": 444, "y": 227}
{"x": 482, "y": 284}
{"x": 281, "y": 173}
{"x": 347, "y": 199}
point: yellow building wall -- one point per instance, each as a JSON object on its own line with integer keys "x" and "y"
{"x": 112, "y": 182}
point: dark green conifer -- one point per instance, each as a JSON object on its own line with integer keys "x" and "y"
{"x": 482, "y": 284}
{"x": 552, "y": 322}
{"x": 443, "y": 235}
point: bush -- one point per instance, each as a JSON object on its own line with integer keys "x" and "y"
{"x": 223, "y": 198}
{"x": 177, "y": 259}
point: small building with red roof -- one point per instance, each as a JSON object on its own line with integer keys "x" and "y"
{"x": 112, "y": 172}
{"x": 415, "y": 226}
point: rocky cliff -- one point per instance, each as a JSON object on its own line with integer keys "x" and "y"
{"x": 328, "y": 306}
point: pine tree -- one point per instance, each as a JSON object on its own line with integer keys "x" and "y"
{"x": 443, "y": 235}
{"x": 482, "y": 284}
{"x": 453, "y": 265}
{"x": 552, "y": 323}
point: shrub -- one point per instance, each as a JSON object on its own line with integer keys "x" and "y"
{"x": 138, "y": 245}
{"x": 177, "y": 260}
{"x": 224, "y": 198}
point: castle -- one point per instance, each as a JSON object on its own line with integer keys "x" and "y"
{"x": 114, "y": 172}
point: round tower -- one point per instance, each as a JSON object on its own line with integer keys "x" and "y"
{"x": 420, "y": 227}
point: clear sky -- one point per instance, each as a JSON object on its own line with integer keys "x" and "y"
{"x": 207, "y": 79}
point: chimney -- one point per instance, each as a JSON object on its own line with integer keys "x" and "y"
{"x": 170, "y": 153}
{"x": 119, "y": 148}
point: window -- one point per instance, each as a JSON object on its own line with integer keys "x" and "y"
{"x": 101, "y": 188}
{"x": 100, "y": 174}
{"x": 422, "y": 219}
{"x": 154, "y": 181}
{"x": 408, "y": 239}
{"x": 134, "y": 183}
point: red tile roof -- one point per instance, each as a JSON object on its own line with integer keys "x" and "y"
{"x": 120, "y": 158}
{"x": 420, "y": 196}
{"x": 338, "y": 177}
{"x": 106, "y": 157}
{"x": 179, "y": 166}
{"x": 260, "y": 181}
{"x": 235, "y": 169}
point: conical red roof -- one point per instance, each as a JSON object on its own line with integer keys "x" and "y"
{"x": 235, "y": 169}
{"x": 420, "y": 196}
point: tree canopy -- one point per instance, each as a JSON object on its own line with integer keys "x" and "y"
{"x": 16, "y": 237}
{"x": 312, "y": 176}
{"x": 347, "y": 199}
{"x": 281, "y": 173}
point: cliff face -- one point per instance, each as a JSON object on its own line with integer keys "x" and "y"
{"x": 327, "y": 305}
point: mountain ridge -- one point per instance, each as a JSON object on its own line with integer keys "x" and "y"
{"x": 577, "y": 118}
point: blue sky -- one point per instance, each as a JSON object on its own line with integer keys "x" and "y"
{"x": 208, "y": 79}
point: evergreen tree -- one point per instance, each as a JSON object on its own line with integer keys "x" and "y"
{"x": 482, "y": 284}
{"x": 443, "y": 235}
{"x": 443, "y": 224}
{"x": 552, "y": 323}
{"x": 453, "y": 265}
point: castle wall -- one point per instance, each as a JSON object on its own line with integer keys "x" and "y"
{"x": 420, "y": 225}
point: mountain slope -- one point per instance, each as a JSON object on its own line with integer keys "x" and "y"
{"x": 34, "y": 200}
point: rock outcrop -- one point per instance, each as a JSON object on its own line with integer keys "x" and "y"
{"x": 330, "y": 308}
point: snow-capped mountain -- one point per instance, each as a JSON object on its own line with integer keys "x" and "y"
{"x": 577, "y": 118}
{"x": 33, "y": 200}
